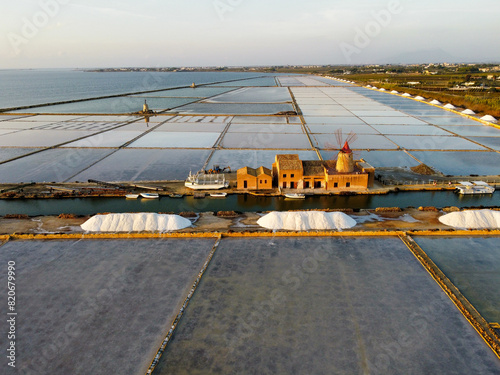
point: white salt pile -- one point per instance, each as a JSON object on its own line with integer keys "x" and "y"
{"x": 468, "y": 112}
{"x": 407, "y": 95}
{"x": 419, "y": 97}
{"x": 382, "y": 89}
{"x": 489, "y": 118}
{"x": 436, "y": 102}
{"x": 306, "y": 220}
{"x": 394, "y": 92}
{"x": 480, "y": 219}
{"x": 450, "y": 106}
{"x": 140, "y": 222}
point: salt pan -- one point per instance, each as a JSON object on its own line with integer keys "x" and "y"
{"x": 306, "y": 220}
{"x": 479, "y": 219}
{"x": 139, "y": 222}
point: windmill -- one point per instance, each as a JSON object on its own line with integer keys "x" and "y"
{"x": 345, "y": 157}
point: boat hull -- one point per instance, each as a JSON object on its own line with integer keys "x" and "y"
{"x": 218, "y": 195}
{"x": 295, "y": 196}
{"x": 150, "y": 196}
{"x": 476, "y": 191}
{"x": 197, "y": 186}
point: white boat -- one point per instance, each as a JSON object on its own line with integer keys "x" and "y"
{"x": 150, "y": 195}
{"x": 295, "y": 196}
{"x": 218, "y": 195}
{"x": 132, "y": 196}
{"x": 477, "y": 187}
{"x": 202, "y": 181}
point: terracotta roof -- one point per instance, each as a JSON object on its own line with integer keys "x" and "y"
{"x": 254, "y": 172}
{"x": 331, "y": 166}
{"x": 313, "y": 168}
{"x": 263, "y": 170}
{"x": 288, "y": 162}
{"x": 247, "y": 170}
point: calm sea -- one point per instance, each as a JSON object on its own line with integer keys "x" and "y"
{"x": 28, "y": 87}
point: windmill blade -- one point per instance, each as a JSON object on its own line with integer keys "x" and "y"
{"x": 351, "y": 137}
{"x": 338, "y": 136}
{"x": 329, "y": 146}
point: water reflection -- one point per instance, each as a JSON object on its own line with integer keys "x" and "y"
{"x": 241, "y": 202}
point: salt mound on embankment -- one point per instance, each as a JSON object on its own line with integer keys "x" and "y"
{"x": 140, "y": 222}
{"x": 306, "y": 220}
{"x": 477, "y": 219}
{"x": 489, "y": 118}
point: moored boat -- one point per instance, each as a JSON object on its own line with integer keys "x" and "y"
{"x": 150, "y": 195}
{"x": 132, "y": 196}
{"x": 201, "y": 181}
{"x": 475, "y": 187}
{"x": 175, "y": 195}
{"x": 218, "y": 195}
{"x": 295, "y": 196}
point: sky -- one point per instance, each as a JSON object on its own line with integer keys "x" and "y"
{"x": 158, "y": 33}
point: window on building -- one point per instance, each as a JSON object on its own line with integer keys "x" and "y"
{"x": 292, "y": 175}
{"x": 260, "y": 182}
{"x": 292, "y": 185}
{"x": 284, "y": 175}
{"x": 245, "y": 184}
{"x": 317, "y": 184}
{"x": 347, "y": 184}
{"x": 335, "y": 184}
{"x": 306, "y": 185}
{"x": 284, "y": 185}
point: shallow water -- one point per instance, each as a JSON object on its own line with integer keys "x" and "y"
{"x": 254, "y": 95}
{"x": 461, "y": 163}
{"x": 234, "y": 109}
{"x": 238, "y": 202}
{"x": 29, "y": 87}
{"x": 321, "y": 306}
{"x": 124, "y": 104}
{"x": 473, "y": 265}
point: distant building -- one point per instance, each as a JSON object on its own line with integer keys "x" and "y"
{"x": 254, "y": 179}
{"x": 289, "y": 172}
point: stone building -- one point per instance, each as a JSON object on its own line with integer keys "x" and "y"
{"x": 289, "y": 172}
{"x": 254, "y": 179}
